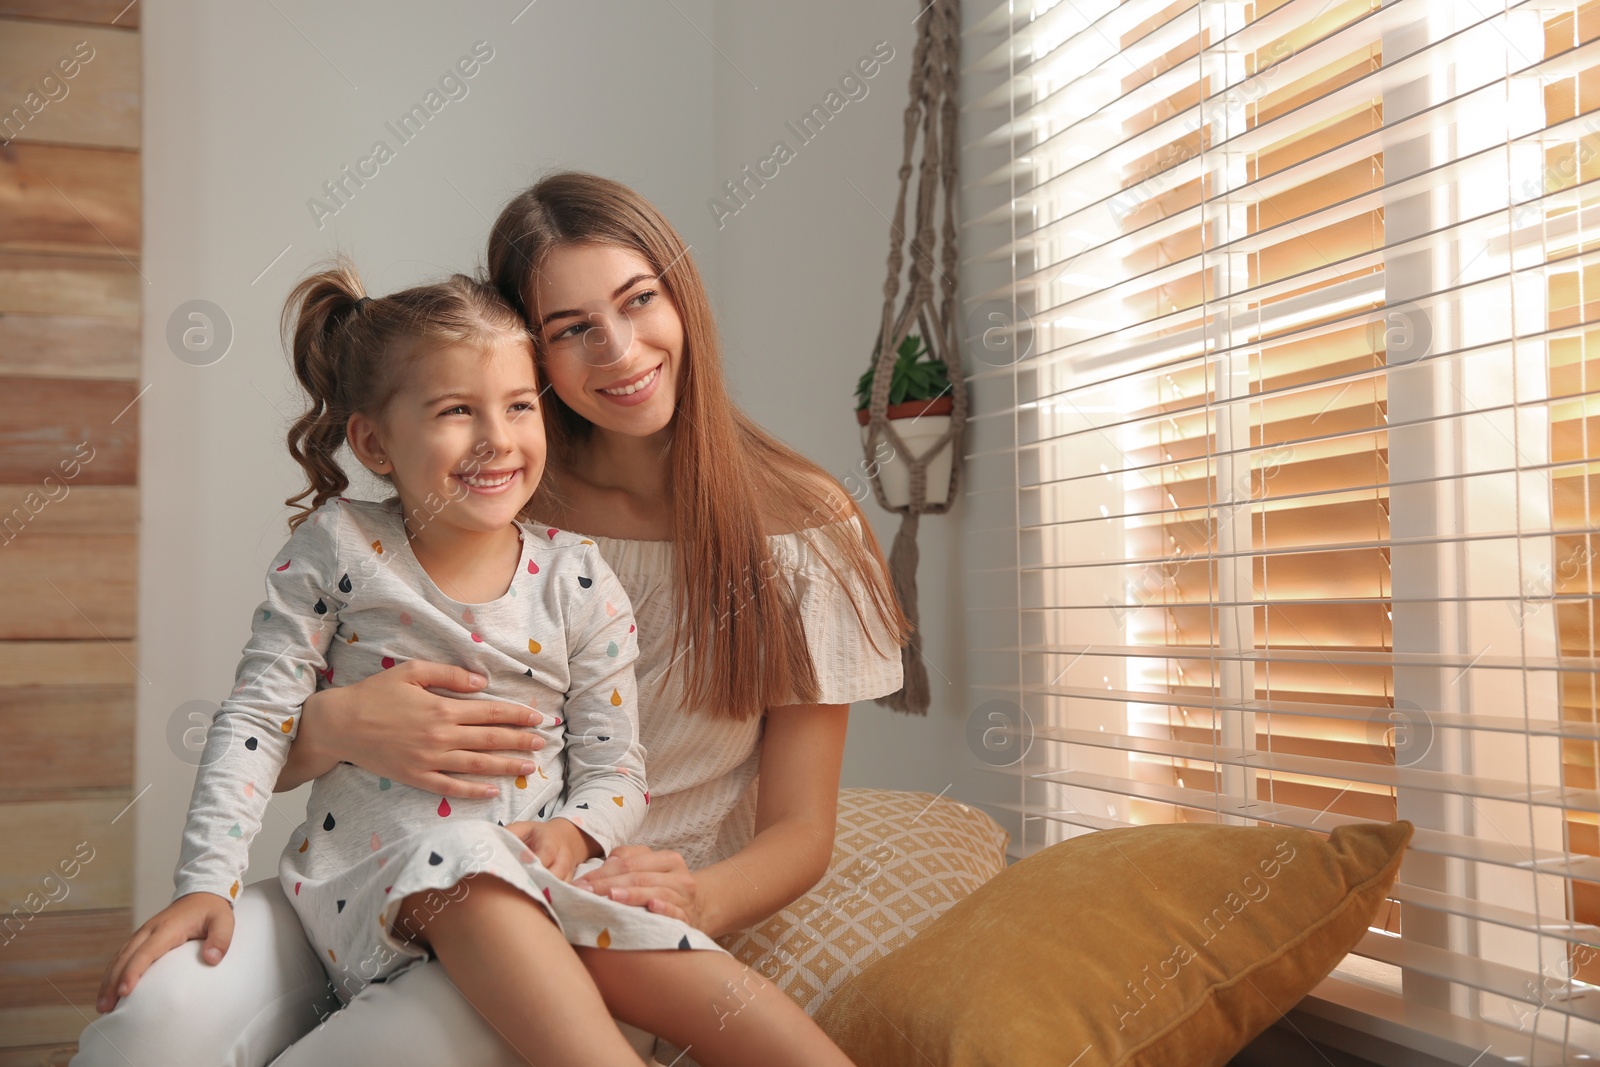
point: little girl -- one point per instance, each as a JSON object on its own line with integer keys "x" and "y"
{"x": 435, "y": 391}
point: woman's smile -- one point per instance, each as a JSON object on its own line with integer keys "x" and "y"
{"x": 634, "y": 390}
{"x": 597, "y": 298}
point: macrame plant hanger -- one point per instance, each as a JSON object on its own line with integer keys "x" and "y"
{"x": 932, "y": 107}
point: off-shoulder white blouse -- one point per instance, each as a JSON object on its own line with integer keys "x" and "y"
{"x": 702, "y": 770}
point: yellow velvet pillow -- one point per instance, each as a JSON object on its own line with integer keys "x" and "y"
{"x": 900, "y": 860}
{"x": 1136, "y": 947}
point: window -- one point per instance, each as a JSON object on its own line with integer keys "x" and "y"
{"x": 1288, "y": 455}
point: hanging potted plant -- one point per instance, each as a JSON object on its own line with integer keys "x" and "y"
{"x": 920, "y": 404}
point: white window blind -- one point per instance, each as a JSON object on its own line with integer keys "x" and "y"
{"x": 1283, "y": 502}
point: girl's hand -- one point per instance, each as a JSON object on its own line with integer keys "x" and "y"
{"x": 389, "y": 724}
{"x": 659, "y": 881}
{"x": 559, "y": 844}
{"x": 191, "y": 916}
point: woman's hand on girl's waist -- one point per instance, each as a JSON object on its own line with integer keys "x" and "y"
{"x": 390, "y": 724}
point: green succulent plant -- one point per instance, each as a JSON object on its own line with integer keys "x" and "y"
{"x": 914, "y": 377}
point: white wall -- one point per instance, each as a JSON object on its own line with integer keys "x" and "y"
{"x": 800, "y": 295}
{"x": 249, "y": 111}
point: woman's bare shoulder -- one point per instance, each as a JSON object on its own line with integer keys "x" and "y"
{"x": 817, "y": 500}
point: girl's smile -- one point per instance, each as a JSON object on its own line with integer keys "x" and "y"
{"x": 465, "y": 428}
{"x": 490, "y": 483}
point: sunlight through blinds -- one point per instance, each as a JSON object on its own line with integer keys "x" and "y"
{"x": 1286, "y": 443}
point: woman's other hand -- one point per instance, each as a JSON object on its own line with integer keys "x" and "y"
{"x": 391, "y": 725}
{"x": 658, "y": 880}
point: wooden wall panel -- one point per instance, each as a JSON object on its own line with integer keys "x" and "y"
{"x": 57, "y": 346}
{"x": 55, "y": 198}
{"x": 98, "y": 105}
{"x": 26, "y": 663}
{"x": 124, "y": 13}
{"x": 70, "y": 296}
{"x": 82, "y": 432}
{"x": 69, "y": 585}
{"x": 58, "y": 1054}
{"x": 84, "y": 509}
{"x": 47, "y": 1024}
{"x": 73, "y": 754}
{"x": 36, "y": 837}
{"x": 39, "y": 284}
{"x": 71, "y": 947}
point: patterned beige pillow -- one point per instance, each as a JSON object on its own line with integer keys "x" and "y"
{"x": 900, "y": 860}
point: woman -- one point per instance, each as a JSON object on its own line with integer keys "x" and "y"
{"x": 763, "y": 611}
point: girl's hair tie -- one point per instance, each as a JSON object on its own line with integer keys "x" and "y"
{"x": 363, "y": 302}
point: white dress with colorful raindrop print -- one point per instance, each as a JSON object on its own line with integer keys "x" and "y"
{"x": 346, "y": 598}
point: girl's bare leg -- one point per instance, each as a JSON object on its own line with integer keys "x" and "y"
{"x": 718, "y": 1010}
{"x": 511, "y": 962}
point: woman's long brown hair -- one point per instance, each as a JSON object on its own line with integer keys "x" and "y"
{"x": 732, "y": 483}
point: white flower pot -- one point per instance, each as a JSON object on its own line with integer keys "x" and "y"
{"x": 894, "y": 470}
